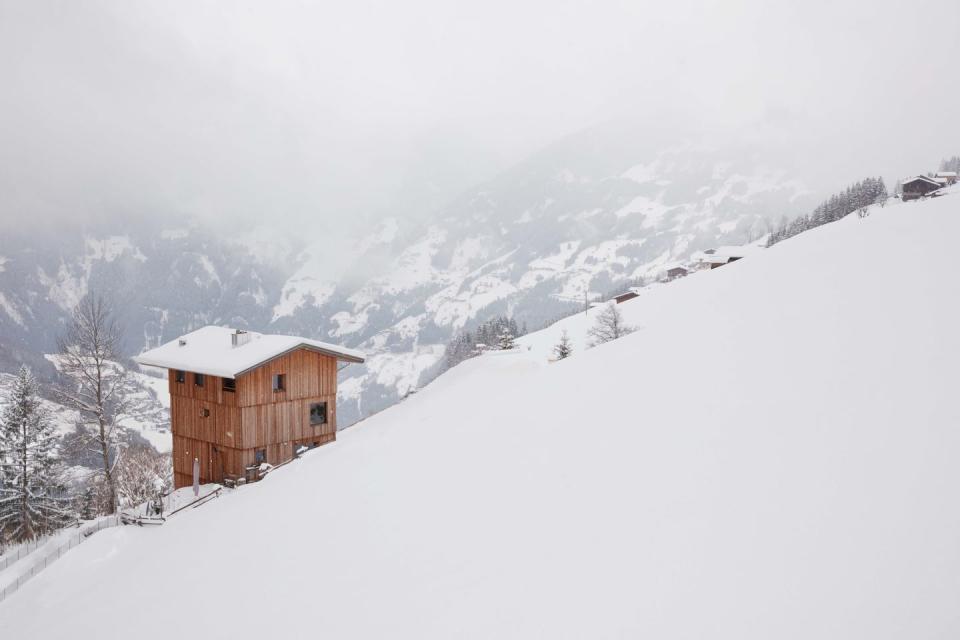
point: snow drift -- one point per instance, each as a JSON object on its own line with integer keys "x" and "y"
{"x": 772, "y": 454}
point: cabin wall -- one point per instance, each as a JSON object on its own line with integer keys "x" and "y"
{"x": 215, "y": 461}
{"x": 308, "y": 375}
{"x": 211, "y": 391}
{"x": 269, "y": 424}
{"x": 221, "y": 426}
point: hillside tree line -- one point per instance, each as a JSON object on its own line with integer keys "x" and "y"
{"x": 856, "y": 197}
{"x": 36, "y": 495}
{"x": 950, "y": 164}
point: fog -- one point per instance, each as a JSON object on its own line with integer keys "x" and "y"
{"x": 325, "y": 116}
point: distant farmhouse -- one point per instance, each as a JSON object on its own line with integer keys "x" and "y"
{"x": 920, "y": 186}
{"x": 946, "y": 177}
{"x": 713, "y": 258}
{"x": 241, "y": 399}
{"x": 626, "y": 295}
{"x": 672, "y": 273}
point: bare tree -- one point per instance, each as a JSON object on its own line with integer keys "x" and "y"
{"x": 143, "y": 474}
{"x": 95, "y": 384}
{"x": 609, "y": 325}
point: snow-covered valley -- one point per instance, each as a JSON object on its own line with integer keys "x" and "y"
{"x": 771, "y": 454}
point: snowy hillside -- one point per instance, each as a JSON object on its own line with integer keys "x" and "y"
{"x": 771, "y": 455}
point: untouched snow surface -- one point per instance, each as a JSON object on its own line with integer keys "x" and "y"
{"x": 773, "y": 454}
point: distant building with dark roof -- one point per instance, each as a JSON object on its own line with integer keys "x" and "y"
{"x": 918, "y": 187}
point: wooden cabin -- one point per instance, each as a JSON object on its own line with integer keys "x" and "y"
{"x": 626, "y": 295}
{"x": 918, "y": 187}
{"x": 240, "y": 399}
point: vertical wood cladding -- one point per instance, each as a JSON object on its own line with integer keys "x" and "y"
{"x": 308, "y": 375}
{"x": 224, "y": 429}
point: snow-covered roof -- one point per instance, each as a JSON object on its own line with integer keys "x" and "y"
{"x": 923, "y": 178}
{"x": 739, "y": 251}
{"x": 723, "y": 255}
{"x": 946, "y": 174}
{"x": 210, "y": 350}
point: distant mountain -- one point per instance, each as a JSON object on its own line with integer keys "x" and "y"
{"x": 579, "y": 218}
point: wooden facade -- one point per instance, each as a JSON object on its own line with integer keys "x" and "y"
{"x": 225, "y": 428}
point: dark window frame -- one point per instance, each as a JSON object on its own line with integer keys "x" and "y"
{"x": 279, "y": 382}
{"x": 229, "y": 385}
{"x": 320, "y": 405}
{"x": 180, "y": 376}
{"x": 199, "y": 379}
{"x": 260, "y": 456}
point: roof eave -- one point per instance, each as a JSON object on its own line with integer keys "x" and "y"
{"x": 333, "y": 354}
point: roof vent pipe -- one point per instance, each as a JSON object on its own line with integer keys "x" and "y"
{"x": 239, "y": 338}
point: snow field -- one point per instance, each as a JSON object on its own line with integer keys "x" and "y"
{"x": 772, "y": 454}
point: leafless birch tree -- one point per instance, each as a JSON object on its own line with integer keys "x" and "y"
{"x": 609, "y": 325}
{"x": 96, "y": 384}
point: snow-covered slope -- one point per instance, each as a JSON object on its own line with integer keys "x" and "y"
{"x": 771, "y": 455}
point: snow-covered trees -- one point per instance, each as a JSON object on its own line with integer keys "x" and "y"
{"x": 563, "y": 348}
{"x": 507, "y": 340}
{"x": 143, "y": 474}
{"x": 489, "y": 334}
{"x": 856, "y": 197}
{"x": 609, "y": 325}
{"x": 96, "y": 385}
{"x": 950, "y": 164}
{"x": 32, "y": 496}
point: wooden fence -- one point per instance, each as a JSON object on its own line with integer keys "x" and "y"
{"x": 49, "y": 557}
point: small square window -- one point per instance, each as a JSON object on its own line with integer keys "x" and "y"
{"x": 229, "y": 384}
{"x": 279, "y": 382}
{"x": 318, "y": 413}
{"x": 180, "y": 376}
{"x": 260, "y": 456}
{"x": 199, "y": 379}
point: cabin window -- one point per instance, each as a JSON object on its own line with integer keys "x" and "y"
{"x": 204, "y": 412}
{"x": 318, "y": 413}
{"x": 260, "y": 456}
{"x": 279, "y": 382}
{"x": 199, "y": 379}
{"x": 229, "y": 384}
{"x": 180, "y": 376}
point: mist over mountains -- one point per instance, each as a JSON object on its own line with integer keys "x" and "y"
{"x": 580, "y": 218}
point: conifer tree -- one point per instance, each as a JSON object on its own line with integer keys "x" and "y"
{"x": 87, "y": 504}
{"x": 506, "y": 340}
{"x": 32, "y": 498}
{"x": 563, "y": 348}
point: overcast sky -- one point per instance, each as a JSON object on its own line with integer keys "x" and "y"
{"x": 337, "y": 112}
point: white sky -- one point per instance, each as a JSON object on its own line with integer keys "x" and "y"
{"x": 337, "y": 112}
